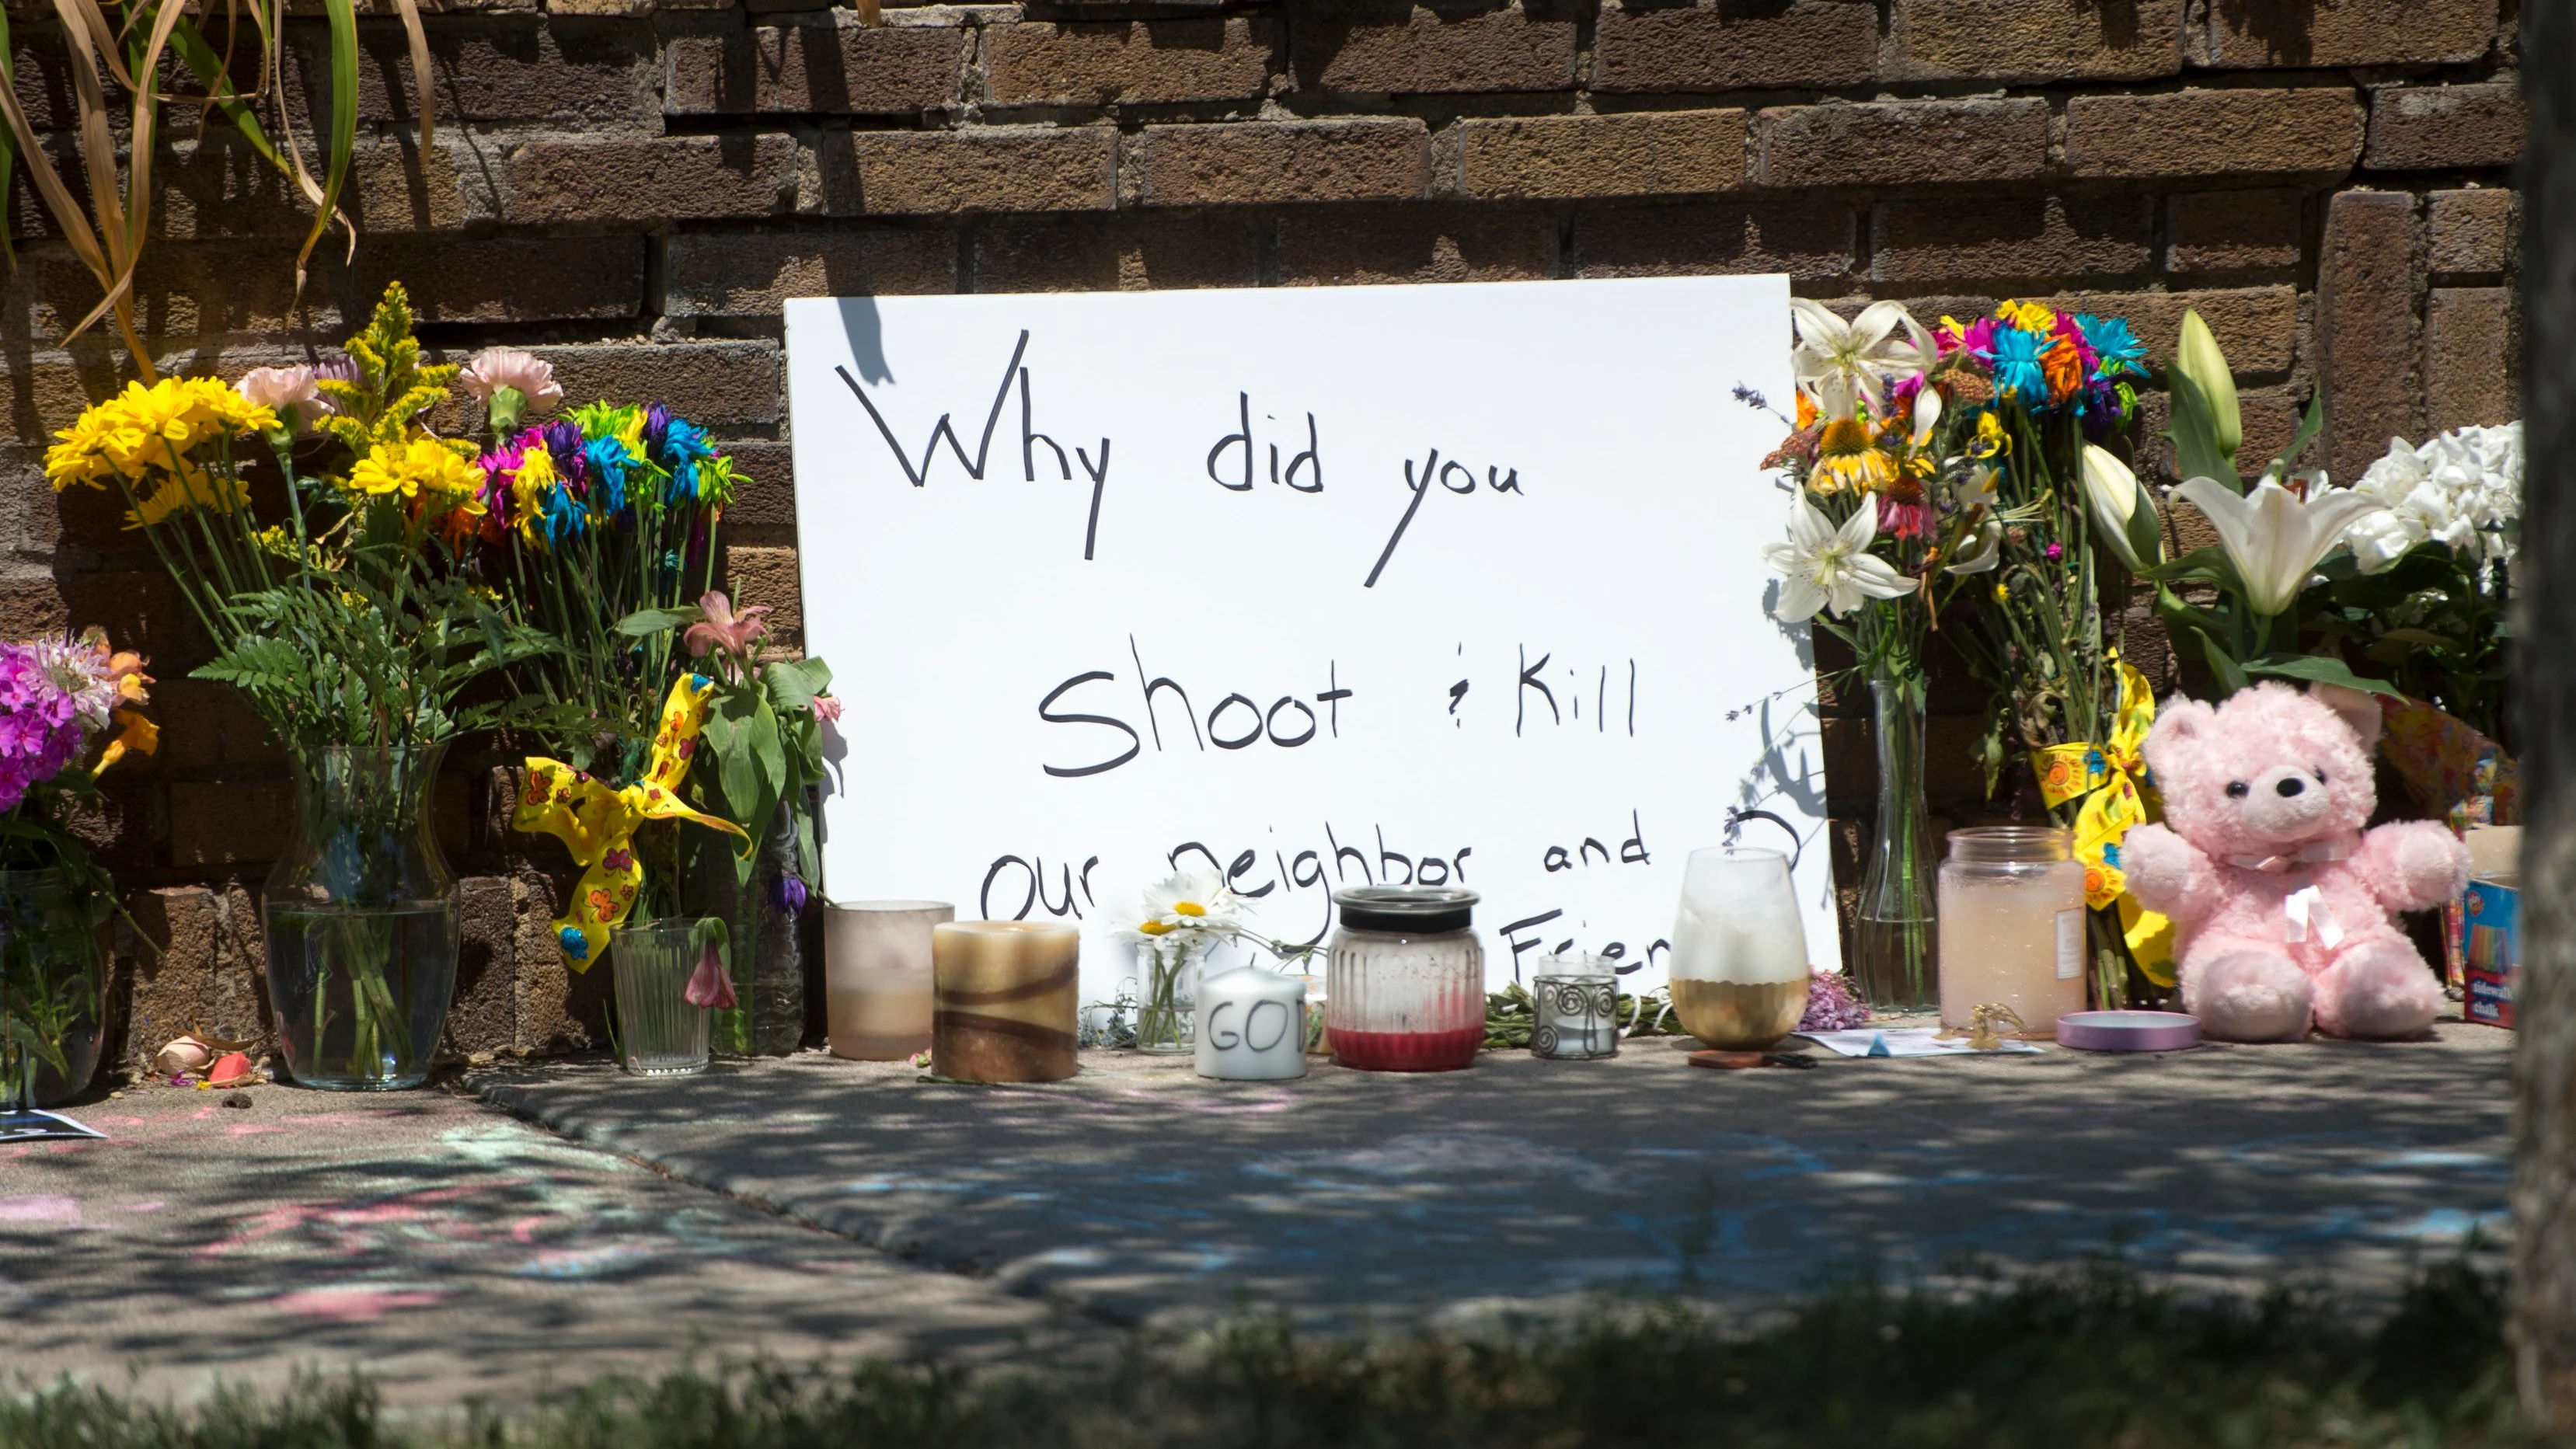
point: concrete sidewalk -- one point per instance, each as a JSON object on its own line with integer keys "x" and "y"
{"x": 454, "y": 1250}
{"x": 448, "y": 1249}
{"x": 1143, "y": 1194}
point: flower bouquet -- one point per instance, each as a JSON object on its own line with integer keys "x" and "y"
{"x": 69, "y": 708}
{"x": 1183, "y": 916}
{"x": 350, "y": 627}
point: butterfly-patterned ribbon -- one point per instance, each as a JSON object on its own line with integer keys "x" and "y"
{"x": 2111, "y": 780}
{"x": 597, "y": 822}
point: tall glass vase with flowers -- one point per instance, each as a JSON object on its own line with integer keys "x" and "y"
{"x": 1875, "y": 545}
{"x": 2037, "y": 406}
{"x": 350, "y": 625}
{"x": 69, "y": 709}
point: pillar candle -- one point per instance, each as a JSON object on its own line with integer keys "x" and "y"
{"x": 1005, "y": 1005}
{"x": 1252, "y": 1026}
{"x": 876, "y": 977}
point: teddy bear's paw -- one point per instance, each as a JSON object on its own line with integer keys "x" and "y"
{"x": 2379, "y": 989}
{"x": 2249, "y": 996}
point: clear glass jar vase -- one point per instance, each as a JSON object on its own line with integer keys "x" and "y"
{"x": 362, "y": 921}
{"x": 1894, "y": 931}
{"x": 1167, "y": 1005}
{"x": 660, "y": 1033}
{"x": 2012, "y": 926}
{"x": 53, "y": 984}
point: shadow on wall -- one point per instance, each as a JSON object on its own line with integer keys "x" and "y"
{"x": 866, "y": 332}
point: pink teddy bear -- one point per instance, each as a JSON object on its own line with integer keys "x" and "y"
{"x": 2280, "y": 900}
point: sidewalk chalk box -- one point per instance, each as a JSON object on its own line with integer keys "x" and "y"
{"x": 2491, "y": 915}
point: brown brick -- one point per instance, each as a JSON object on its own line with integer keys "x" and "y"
{"x": 204, "y": 973}
{"x": 1807, "y": 240}
{"x": 2037, "y": 40}
{"x": 1644, "y": 153}
{"x": 677, "y": 176}
{"x": 1734, "y": 45}
{"x": 482, "y": 1012}
{"x": 766, "y": 506}
{"x": 2257, "y": 327}
{"x": 2470, "y": 358}
{"x": 1002, "y": 168}
{"x": 1500, "y": 50}
{"x": 226, "y": 824}
{"x": 1135, "y": 62}
{"x": 1904, "y": 142}
{"x": 716, "y": 385}
{"x": 2366, "y": 326}
{"x": 739, "y": 274}
{"x": 767, "y": 576}
{"x": 2419, "y": 128}
{"x": 1419, "y": 243}
{"x": 486, "y": 69}
{"x": 1258, "y": 161}
{"x": 219, "y": 188}
{"x": 1926, "y": 241}
{"x": 2197, "y": 133}
{"x": 827, "y": 69}
{"x": 2267, "y": 34}
{"x": 2221, "y": 231}
{"x": 2473, "y": 231}
{"x": 1114, "y": 253}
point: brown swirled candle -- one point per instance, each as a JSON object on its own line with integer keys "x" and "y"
{"x": 1004, "y": 1000}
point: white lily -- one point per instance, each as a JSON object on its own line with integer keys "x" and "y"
{"x": 2273, "y": 537}
{"x": 2115, "y": 497}
{"x": 1824, "y": 567}
{"x": 1981, "y": 551}
{"x": 1879, "y": 346}
{"x": 1927, "y": 414}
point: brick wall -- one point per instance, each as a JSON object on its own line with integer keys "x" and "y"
{"x": 634, "y": 185}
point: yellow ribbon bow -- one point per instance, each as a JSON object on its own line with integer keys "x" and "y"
{"x": 2110, "y": 779}
{"x": 597, "y": 823}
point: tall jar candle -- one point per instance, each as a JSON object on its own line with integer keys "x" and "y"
{"x": 876, "y": 977}
{"x": 1004, "y": 1003}
{"x": 2012, "y": 925}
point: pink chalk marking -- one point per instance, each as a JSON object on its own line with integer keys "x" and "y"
{"x": 154, "y": 1206}
{"x": 40, "y": 1208}
{"x": 354, "y": 1304}
{"x": 525, "y": 1229}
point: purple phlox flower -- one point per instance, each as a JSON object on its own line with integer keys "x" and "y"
{"x": 1831, "y": 1004}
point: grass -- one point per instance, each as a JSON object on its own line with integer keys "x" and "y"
{"x": 2092, "y": 1357}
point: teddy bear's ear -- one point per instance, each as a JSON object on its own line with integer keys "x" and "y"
{"x": 2358, "y": 709}
{"x": 2180, "y": 722}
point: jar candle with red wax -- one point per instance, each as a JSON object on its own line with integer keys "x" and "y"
{"x": 1405, "y": 989}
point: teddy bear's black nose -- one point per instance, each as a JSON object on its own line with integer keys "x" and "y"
{"x": 2289, "y": 787}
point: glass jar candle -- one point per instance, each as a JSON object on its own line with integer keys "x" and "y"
{"x": 1739, "y": 964}
{"x": 876, "y": 977}
{"x": 1574, "y": 1010}
{"x": 2012, "y": 925}
{"x": 1405, "y": 989}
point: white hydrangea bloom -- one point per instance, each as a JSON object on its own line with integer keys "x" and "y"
{"x": 2462, "y": 489}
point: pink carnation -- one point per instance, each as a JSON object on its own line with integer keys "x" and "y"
{"x": 495, "y": 368}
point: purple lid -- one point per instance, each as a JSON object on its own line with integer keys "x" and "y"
{"x": 2128, "y": 1031}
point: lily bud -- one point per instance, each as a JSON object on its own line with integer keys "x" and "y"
{"x": 2196, "y": 356}
{"x": 2122, "y": 510}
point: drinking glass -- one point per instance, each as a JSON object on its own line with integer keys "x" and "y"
{"x": 876, "y": 977}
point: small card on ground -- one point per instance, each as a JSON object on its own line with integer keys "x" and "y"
{"x": 1920, "y": 1041}
{"x": 37, "y": 1126}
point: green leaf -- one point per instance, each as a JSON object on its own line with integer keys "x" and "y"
{"x": 2230, "y": 674}
{"x": 2318, "y": 669}
{"x": 2309, "y": 426}
{"x": 2194, "y": 432}
{"x": 208, "y": 67}
{"x": 343, "y": 139}
{"x": 645, "y": 622}
{"x": 793, "y": 683}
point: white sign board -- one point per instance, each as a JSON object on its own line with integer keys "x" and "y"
{"x": 1308, "y": 588}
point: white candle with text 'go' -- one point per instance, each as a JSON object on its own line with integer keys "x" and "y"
{"x": 1252, "y": 1026}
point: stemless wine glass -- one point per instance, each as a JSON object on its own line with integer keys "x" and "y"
{"x": 1739, "y": 963}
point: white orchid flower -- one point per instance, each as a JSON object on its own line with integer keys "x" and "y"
{"x": 1927, "y": 414}
{"x": 1882, "y": 344}
{"x": 2274, "y": 538}
{"x": 2113, "y": 493}
{"x": 1824, "y": 567}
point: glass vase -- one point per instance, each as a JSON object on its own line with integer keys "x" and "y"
{"x": 53, "y": 988}
{"x": 659, "y": 1033}
{"x": 767, "y": 950}
{"x": 362, "y": 921}
{"x": 1167, "y": 1016}
{"x": 1893, "y": 934}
